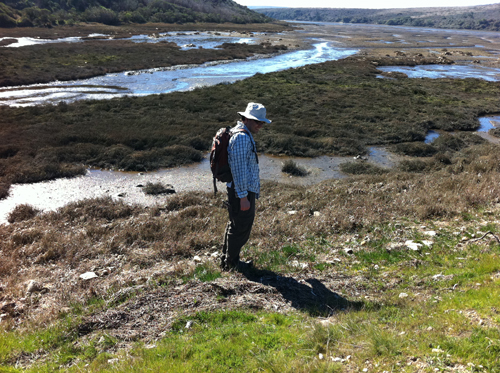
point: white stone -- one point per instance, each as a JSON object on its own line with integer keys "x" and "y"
{"x": 413, "y": 245}
{"x": 197, "y": 258}
{"x": 293, "y": 212}
{"x": 320, "y": 356}
{"x": 33, "y": 286}
{"x": 430, "y": 233}
{"x": 428, "y": 243}
{"x": 403, "y": 295}
{"x": 88, "y": 275}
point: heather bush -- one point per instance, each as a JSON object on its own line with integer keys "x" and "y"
{"x": 292, "y": 168}
{"x": 22, "y": 212}
{"x": 158, "y": 188}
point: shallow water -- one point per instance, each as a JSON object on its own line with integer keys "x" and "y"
{"x": 487, "y": 123}
{"x": 25, "y": 41}
{"x": 156, "y": 81}
{"x": 193, "y": 39}
{"x": 206, "y": 40}
{"x": 447, "y": 71}
{"x": 51, "y": 195}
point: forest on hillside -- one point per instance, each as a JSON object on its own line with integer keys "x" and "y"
{"x": 48, "y": 13}
{"x": 484, "y": 17}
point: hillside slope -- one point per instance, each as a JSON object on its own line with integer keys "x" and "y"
{"x": 483, "y": 17}
{"x": 113, "y": 12}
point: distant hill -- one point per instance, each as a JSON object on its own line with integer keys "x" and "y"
{"x": 113, "y": 12}
{"x": 481, "y": 17}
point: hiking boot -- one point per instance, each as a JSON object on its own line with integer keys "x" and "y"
{"x": 245, "y": 266}
{"x": 240, "y": 267}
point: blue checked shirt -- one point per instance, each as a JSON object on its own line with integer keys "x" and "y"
{"x": 242, "y": 159}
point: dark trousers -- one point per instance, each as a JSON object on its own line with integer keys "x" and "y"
{"x": 238, "y": 228}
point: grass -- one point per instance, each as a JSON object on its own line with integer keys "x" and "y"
{"x": 426, "y": 331}
{"x": 292, "y": 168}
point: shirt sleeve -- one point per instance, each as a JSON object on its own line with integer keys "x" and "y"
{"x": 239, "y": 149}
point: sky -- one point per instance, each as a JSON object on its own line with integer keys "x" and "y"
{"x": 373, "y": 4}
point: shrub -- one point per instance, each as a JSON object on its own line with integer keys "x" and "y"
{"x": 413, "y": 165}
{"x": 415, "y": 149}
{"x": 495, "y": 132}
{"x": 22, "y": 212}
{"x": 101, "y": 15}
{"x": 158, "y": 188}
{"x": 361, "y": 168}
{"x": 4, "y": 190}
{"x": 292, "y": 168}
{"x": 6, "y": 21}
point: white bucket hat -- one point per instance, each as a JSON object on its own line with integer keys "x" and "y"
{"x": 256, "y": 112}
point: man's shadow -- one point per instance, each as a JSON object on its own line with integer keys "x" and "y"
{"x": 316, "y": 299}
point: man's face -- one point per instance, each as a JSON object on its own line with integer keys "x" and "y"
{"x": 253, "y": 125}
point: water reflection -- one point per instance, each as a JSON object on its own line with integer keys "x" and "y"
{"x": 51, "y": 195}
{"x": 431, "y": 136}
{"x": 486, "y": 124}
{"x": 155, "y": 81}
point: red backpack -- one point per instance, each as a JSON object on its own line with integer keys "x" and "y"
{"x": 218, "y": 156}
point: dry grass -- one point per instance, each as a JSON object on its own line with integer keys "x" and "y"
{"x": 99, "y": 234}
{"x": 22, "y": 212}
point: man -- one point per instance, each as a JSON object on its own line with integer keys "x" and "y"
{"x": 245, "y": 187}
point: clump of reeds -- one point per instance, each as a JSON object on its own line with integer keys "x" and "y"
{"x": 292, "y": 168}
{"x": 158, "y": 188}
{"x": 22, "y": 212}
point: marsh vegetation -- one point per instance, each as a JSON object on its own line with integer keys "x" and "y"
{"x": 381, "y": 270}
{"x": 338, "y": 107}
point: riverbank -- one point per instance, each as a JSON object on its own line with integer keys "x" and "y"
{"x": 45, "y": 63}
{"x": 406, "y": 265}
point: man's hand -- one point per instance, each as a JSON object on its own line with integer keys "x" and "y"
{"x": 244, "y": 204}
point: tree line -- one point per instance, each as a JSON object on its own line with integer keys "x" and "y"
{"x": 472, "y": 18}
{"x": 47, "y": 13}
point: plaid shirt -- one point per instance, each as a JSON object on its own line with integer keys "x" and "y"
{"x": 243, "y": 162}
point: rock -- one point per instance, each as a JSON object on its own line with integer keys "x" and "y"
{"x": 413, "y": 245}
{"x": 320, "y": 356}
{"x": 88, "y": 276}
{"x": 428, "y": 243}
{"x": 293, "y": 212}
{"x": 197, "y": 259}
{"x": 403, "y": 295}
{"x": 348, "y": 250}
{"x": 430, "y": 233}
{"x": 316, "y": 213}
{"x": 34, "y": 286}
